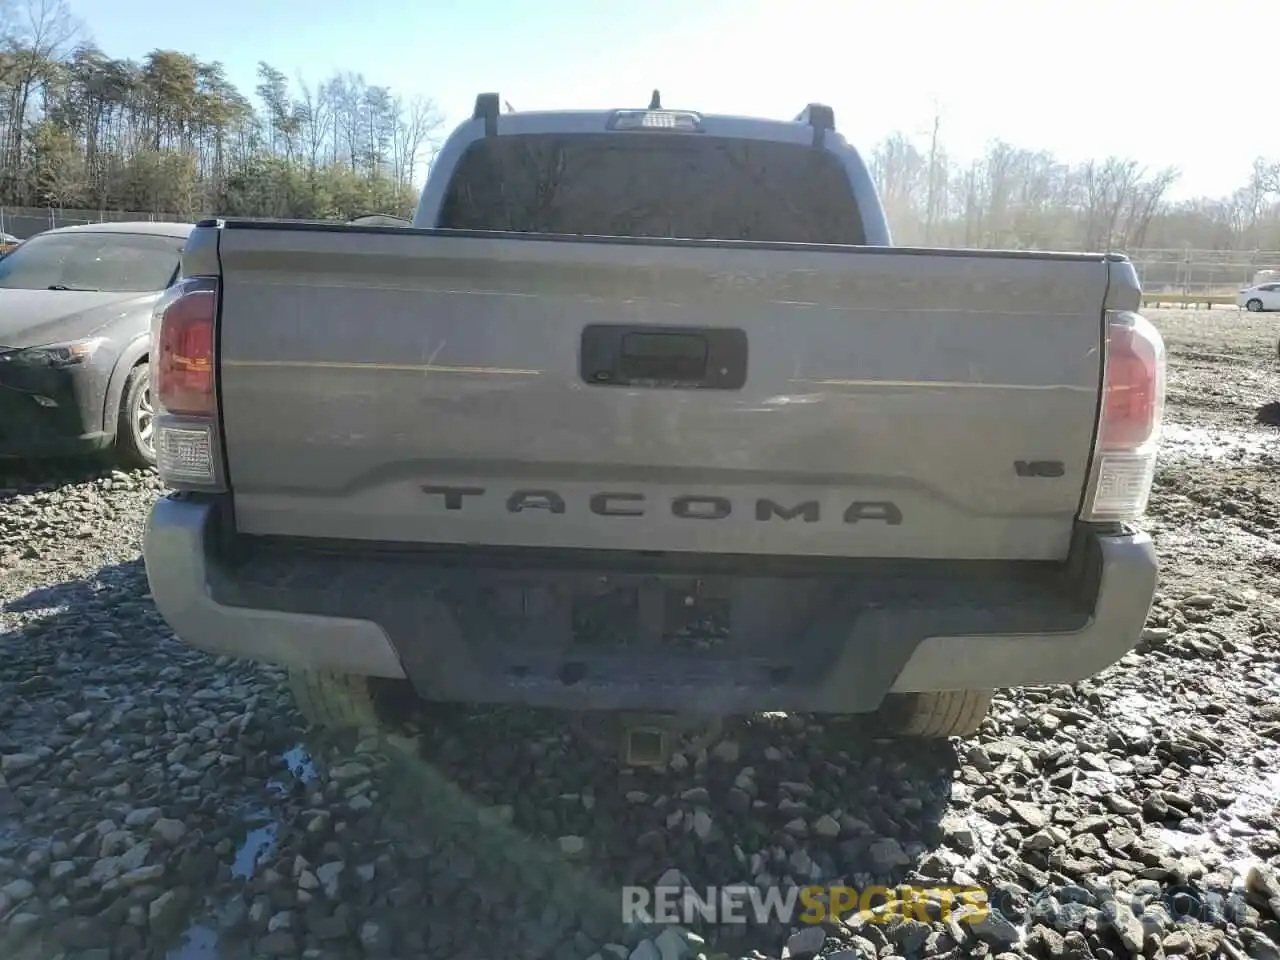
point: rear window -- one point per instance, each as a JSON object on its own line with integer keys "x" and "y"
{"x": 653, "y": 185}
{"x": 111, "y": 262}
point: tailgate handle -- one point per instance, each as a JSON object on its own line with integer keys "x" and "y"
{"x": 712, "y": 358}
{"x": 664, "y": 356}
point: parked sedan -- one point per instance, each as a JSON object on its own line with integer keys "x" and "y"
{"x": 7, "y": 242}
{"x": 1263, "y": 296}
{"x": 75, "y": 330}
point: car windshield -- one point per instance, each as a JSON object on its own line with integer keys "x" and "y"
{"x": 111, "y": 262}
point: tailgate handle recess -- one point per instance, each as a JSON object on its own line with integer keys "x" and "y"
{"x": 664, "y": 356}
{"x": 712, "y": 358}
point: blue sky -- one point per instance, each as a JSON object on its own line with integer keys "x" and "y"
{"x": 1083, "y": 80}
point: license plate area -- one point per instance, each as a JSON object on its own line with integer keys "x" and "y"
{"x": 652, "y": 613}
{"x": 695, "y": 616}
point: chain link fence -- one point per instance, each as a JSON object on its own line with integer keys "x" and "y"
{"x": 1204, "y": 273}
{"x": 1185, "y": 271}
{"x": 24, "y": 222}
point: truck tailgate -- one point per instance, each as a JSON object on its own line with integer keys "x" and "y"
{"x": 421, "y": 387}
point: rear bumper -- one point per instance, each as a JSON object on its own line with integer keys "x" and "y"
{"x": 475, "y": 629}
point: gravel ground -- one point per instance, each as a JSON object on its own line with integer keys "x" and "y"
{"x": 156, "y": 802}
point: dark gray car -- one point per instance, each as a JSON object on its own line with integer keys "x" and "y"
{"x": 75, "y": 316}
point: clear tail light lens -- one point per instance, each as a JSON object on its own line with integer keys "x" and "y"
{"x": 187, "y": 456}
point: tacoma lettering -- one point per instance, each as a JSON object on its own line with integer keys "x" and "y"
{"x": 535, "y": 500}
{"x": 701, "y": 508}
{"x": 873, "y": 510}
{"x": 692, "y": 506}
{"x": 765, "y": 509}
{"x": 606, "y": 504}
{"x": 453, "y": 495}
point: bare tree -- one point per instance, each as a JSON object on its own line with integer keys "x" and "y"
{"x": 170, "y": 133}
{"x": 1266, "y": 175}
{"x": 931, "y": 199}
{"x": 417, "y": 134}
{"x": 37, "y": 34}
{"x": 314, "y": 112}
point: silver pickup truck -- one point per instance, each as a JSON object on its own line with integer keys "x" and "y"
{"x": 645, "y": 413}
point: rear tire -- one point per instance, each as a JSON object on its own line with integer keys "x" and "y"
{"x": 942, "y": 713}
{"x": 335, "y": 701}
{"x": 135, "y": 422}
{"x": 1254, "y": 306}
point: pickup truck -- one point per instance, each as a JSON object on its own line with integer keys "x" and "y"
{"x": 644, "y": 412}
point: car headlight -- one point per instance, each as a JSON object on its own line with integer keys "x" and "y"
{"x": 54, "y": 354}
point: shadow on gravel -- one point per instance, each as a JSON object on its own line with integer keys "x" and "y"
{"x": 55, "y": 596}
{"x": 1269, "y": 414}
{"x": 503, "y": 822}
{"x": 36, "y": 476}
{"x": 128, "y": 765}
{"x": 154, "y": 801}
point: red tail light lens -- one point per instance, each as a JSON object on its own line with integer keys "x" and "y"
{"x": 185, "y": 348}
{"x": 1129, "y": 431}
{"x": 1133, "y": 392}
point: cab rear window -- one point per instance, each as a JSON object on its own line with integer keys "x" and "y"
{"x": 653, "y": 185}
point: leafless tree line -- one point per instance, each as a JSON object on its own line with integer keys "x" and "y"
{"x": 172, "y": 134}
{"x": 1015, "y": 198}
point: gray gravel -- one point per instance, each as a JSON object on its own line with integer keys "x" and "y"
{"x": 157, "y": 802}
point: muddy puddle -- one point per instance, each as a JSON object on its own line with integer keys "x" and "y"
{"x": 200, "y": 940}
{"x": 1228, "y": 832}
{"x": 1225, "y": 834}
{"x": 1180, "y": 443}
{"x": 1134, "y": 713}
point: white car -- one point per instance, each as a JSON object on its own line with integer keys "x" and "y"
{"x": 1259, "y": 297}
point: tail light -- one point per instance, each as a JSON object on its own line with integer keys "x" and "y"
{"x": 183, "y": 371}
{"x": 184, "y": 349}
{"x": 1129, "y": 424}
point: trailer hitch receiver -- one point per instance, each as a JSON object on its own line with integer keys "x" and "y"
{"x": 646, "y": 746}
